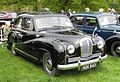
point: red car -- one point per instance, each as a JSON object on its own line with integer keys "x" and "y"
{"x": 4, "y": 17}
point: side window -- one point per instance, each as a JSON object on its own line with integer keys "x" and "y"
{"x": 28, "y": 24}
{"x": 19, "y": 22}
{"x": 78, "y": 20}
{"x": 91, "y": 21}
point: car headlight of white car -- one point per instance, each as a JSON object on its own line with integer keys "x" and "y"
{"x": 70, "y": 49}
{"x": 100, "y": 44}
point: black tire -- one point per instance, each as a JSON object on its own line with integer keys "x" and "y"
{"x": 48, "y": 66}
{"x": 115, "y": 49}
{"x": 11, "y": 44}
{"x": 10, "y": 41}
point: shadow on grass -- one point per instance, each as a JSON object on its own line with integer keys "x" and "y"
{"x": 31, "y": 61}
{"x": 75, "y": 72}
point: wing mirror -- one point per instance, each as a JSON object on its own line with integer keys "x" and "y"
{"x": 93, "y": 34}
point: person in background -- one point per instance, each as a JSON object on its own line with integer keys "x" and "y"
{"x": 74, "y": 12}
{"x": 48, "y": 10}
{"x": 69, "y": 13}
{"x": 101, "y": 10}
{"x": 109, "y": 10}
{"x": 6, "y": 29}
{"x": 87, "y": 9}
{"x": 63, "y": 12}
{"x": 113, "y": 11}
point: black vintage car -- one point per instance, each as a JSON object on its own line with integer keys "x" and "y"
{"x": 52, "y": 39}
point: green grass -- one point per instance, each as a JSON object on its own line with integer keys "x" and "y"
{"x": 18, "y": 69}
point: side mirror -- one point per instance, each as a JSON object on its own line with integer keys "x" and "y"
{"x": 93, "y": 34}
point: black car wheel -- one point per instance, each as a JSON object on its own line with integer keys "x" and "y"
{"x": 48, "y": 66}
{"x": 115, "y": 49}
{"x": 10, "y": 41}
{"x": 11, "y": 44}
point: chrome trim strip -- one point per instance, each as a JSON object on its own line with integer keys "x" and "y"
{"x": 78, "y": 64}
{"x": 26, "y": 53}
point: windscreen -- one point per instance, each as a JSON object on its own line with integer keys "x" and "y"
{"x": 108, "y": 20}
{"x": 52, "y": 22}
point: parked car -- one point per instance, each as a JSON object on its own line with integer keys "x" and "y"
{"x": 52, "y": 40}
{"x": 12, "y": 14}
{"x": 4, "y": 18}
{"x": 107, "y": 27}
{"x": 4, "y": 15}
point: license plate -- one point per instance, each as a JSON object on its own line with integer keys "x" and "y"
{"x": 88, "y": 66}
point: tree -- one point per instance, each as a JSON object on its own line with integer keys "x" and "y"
{"x": 57, "y": 5}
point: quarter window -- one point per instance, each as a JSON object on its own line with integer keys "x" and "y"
{"x": 28, "y": 24}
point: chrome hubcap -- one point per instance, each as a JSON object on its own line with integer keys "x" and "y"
{"x": 13, "y": 48}
{"x": 48, "y": 64}
{"x": 118, "y": 49}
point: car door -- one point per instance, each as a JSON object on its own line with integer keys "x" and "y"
{"x": 17, "y": 30}
{"x": 84, "y": 23}
{"x": 27, "y": 35}
{"x": 90, "y": 24}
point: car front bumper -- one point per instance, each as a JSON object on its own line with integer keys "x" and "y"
{"x": 79, "y": 64}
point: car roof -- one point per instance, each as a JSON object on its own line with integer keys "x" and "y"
{"x": 94, "y": 14}
{"x": 41, "y": 15}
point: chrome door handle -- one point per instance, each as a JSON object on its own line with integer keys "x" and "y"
{"x": 99, "y": 31}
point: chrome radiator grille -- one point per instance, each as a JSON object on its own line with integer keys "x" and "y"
{"x": 86, "y": 47}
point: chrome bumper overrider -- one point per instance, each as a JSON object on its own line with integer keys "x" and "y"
{"x": 79, "y": 64}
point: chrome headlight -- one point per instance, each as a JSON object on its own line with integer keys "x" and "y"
{"x": 70, "y": 49}
{"x": 100, "y": 44}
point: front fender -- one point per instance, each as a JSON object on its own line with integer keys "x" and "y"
{"x": 52, "y": 44}
{"x": 113, "y": 37}
{"x": 49, "y": 44}
{"x": 54, "y": 47}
